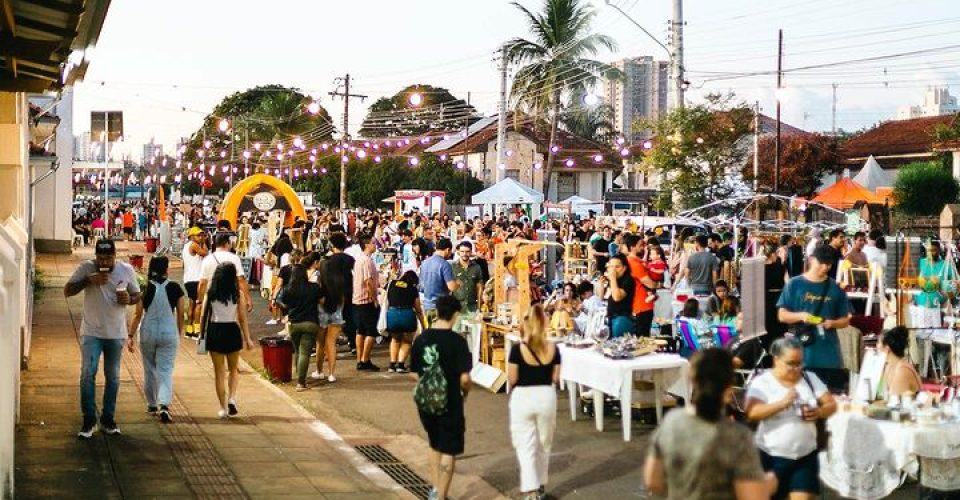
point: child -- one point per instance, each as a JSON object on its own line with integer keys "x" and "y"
{"x": 656, "y": 268}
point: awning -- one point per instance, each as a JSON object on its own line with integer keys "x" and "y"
{"x": 507, "y": 192}
{"x": 845, "y": 194}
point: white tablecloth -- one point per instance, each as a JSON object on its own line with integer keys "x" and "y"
{"x": 592, "y": 369}
{"x": 869, "y": 458}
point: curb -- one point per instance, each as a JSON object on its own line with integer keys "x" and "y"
{"x": 377, "y": 476}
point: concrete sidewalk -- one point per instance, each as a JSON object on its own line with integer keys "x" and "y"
{"x": 274, "y": 450}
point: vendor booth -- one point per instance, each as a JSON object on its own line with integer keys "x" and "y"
{"x": 509, "y": 192}
{"x": 261, "y": 193}
{"x": 410, "y": 200}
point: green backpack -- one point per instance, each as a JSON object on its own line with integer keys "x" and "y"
{"x": 430, "y": 393}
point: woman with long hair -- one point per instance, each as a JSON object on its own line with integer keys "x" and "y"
{"x": 699, "y": 453}
{"x": 622, "y": 290}
{"x": 533, "y": 368}
{"x": 332, "y": 284}
{"x": 899, "y": 377}
{"x": 301, "y": 299}
{"x": 403, "y": 314}
{"x": 224, "y": 326}
{"x": 159, "y": 319}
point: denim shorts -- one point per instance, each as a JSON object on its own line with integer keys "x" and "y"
{"x": 335, "y": 318}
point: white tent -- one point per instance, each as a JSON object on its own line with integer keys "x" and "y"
{"x": 872, "y": 175}
{"x": 578, "y": 200}
{"x": 507, "y": 192}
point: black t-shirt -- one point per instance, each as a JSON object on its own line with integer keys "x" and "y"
{"x": 773, "y": 275}
{"x": 401, "y": 295}
{"x": 302, "y": 306}
{"x": 284, "y": 273}
{"x": 454, "y": 360}
{"x": 343, "y": 263}
{"x": 794, "y": 263}
{"x": 622, "y": 307}
{"x": 533, "y": 374}
{"x": 174, "y": 293}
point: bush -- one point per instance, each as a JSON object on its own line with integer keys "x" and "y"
{"x": 923, "y": 188}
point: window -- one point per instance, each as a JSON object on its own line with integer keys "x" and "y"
{"x": 566, "y": 185}
{"x": 512, "y": 174}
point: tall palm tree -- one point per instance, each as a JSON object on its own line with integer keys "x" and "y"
{"x": 556, "y": 61}
{"x": 590, "y": 122}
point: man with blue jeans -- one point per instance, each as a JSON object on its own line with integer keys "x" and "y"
{"x": 109, "y": 287}
{"x": 437, "y": 278}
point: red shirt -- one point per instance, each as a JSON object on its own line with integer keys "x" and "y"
{"x": 639, "y": 271}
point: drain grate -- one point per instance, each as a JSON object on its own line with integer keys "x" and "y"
{"x": 397, "y": 470}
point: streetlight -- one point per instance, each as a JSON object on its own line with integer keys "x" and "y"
{"x": 415, "y": 99}
{"x": 313, "y": 107}
{"x": 591, "y": 99}
{"x": 224, "y": 125}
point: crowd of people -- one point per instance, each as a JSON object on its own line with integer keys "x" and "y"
{"x": 367, "y": 276}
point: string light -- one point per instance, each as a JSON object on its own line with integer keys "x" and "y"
{"x": 569, "y": 162}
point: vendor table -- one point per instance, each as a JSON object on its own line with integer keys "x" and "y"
{"x": 615, "y": 377}
{"x": 868, "y": 458}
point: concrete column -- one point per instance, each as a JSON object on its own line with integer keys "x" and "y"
{"x": 13, "y": 184}
{"x": 53, "y": 197}
{"x": 956, "y": 164}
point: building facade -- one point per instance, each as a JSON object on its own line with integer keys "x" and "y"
{"x": 640, "y": 95}
{"x": 936, "y": 102}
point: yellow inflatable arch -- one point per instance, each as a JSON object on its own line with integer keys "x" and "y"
{"x": 263, "y": 193}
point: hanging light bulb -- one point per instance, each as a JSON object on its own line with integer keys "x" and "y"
{"x": 223, "y": 153}
{"x": 598, "y": 158}
{"x": 256, "y": 146}
{"x": 324, "y": 146}
{"x": 460, "y": 165}
{"x": 323, "y": 170}
{"x": 414, "y": 161}
{"x": 377, "y": 159}
{"x": 279, "y": 146}
{"x": 313, "y": 107}
{"x": 246, "y": 155}
{"x": 298, "y": 142}
{"x": 361, "y": 154}
{"x": 206, "y": 144}
{"x": 313, "y": 159}
{"x": 569, "y": 162}
{"x": 224, "y": 125}
{"x": 443, "y": 157}
{"x": 415, "y": 99}
{"x": 624, "y": 152}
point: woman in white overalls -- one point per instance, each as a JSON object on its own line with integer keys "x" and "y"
{"x": 159, "y": 317}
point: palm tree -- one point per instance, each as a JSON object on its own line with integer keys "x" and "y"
{"x": 590, "y": 122}
{"x": 556, "y": 61}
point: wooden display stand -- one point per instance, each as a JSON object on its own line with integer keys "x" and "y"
{"x": 576, "y": 261}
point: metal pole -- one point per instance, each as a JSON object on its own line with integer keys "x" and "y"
{"x": 466, "y": 133}
{"x": 346, "y": 138}
{"x": 677, "y": 56}
{"x": 502, "y": 120}
{"x": 776, "y": 157}
{"x": 756, "y": 146}
{"x": 106, "y": 174}
{"x": 833, "y": 121}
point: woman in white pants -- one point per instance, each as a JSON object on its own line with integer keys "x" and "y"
{"x": 534, "y": 366}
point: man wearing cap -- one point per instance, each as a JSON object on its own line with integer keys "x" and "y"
{"x": 193, "y": 253}
{"x": 109, "y": 287}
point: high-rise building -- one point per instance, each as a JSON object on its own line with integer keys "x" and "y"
{"x": 641, "y": 94}
{"x": 151, "y": 150}
{"x": 83, "y": 149}
{"x": 936, "y": 102}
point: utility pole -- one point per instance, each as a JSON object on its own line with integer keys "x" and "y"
{"x": 466, "y": 169}
{"x": 345, "y": 137}
{"x": 676, "y": 42}
{"x": 833, "y": 119}
{"x": 776, "y": 157}
{"x": 756, "y": 147}
{"x": 502, "y": 121}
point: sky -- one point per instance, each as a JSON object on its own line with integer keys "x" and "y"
{"x": 167, "y": 64}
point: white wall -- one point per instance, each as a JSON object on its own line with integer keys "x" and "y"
{"x": 13, "y": 312}
{"x": 590, "y": 185}
{"x": 53, "y": 197}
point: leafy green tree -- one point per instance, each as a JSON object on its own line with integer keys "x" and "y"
{"x": 804, "y": 160}
{"x": 556, "y": 61}
{"x": 700, "y": 150}
{"x": 923, "y": 188}
{"x": 397, "y": 116}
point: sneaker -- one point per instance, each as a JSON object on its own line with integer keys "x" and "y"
{"x": 109, "y": 427}
{"x": 152, "y": 410}
{"x": 232, "y": 408}
{"x": 332, "y": 379}
{"x": 372, "y": 367}
{"x": 222, "y": 414}
{"x": 188, "y": 330}
{"x": 272, "y": 322}
{"x": 301, "y": 388}
{"x": 393, "y": 367}
{"x": 165, "y": 415}
{"x": 361, "y": 366}
{"x": 89, "y": 427}
{"x": 401, "y": 368}
{"x": 316, "y": 375}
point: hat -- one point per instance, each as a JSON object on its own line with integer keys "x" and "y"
{"x": 105, "y": 247}
{"x": 193, "y": 231}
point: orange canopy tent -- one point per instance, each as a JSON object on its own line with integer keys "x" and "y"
{"x": 845, "y": 194}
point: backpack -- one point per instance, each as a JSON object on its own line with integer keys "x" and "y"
{"x": 430, "y": 393}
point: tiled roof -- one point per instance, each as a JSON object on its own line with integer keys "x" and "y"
{"x": 769, "y": 126}
{"x": 897, "y": 137}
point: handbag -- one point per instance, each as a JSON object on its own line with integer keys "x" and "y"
{"x": 205, "y": 322}
{"x": 806, "y": 333}
{"x": 823, "y": 435}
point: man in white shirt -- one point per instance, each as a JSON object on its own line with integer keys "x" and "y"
{"x": 221, "y": 255}
{"x": 193, "y": 253}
